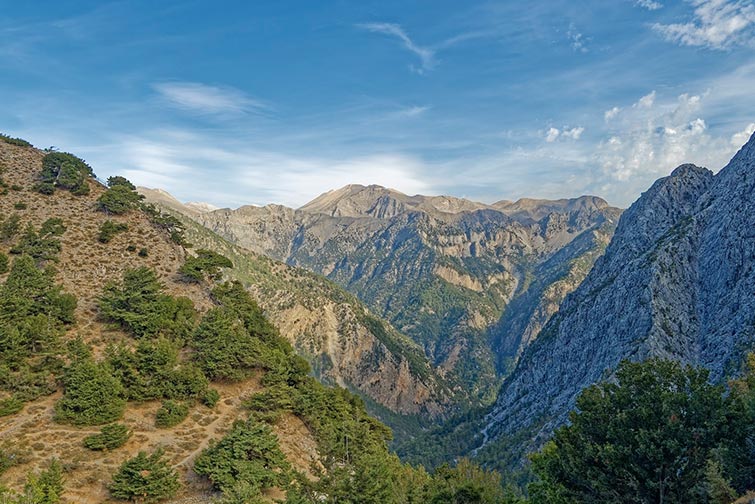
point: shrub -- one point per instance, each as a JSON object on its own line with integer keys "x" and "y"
{"x": 171, "y": 413}
{"x": 122, "y": 181}
{"x": 205, "y": 263}
{"x": 19, "y": 206}
{"x": 119, "y": 199}
{"x": 3, "y": 263}
{"x": 42, "y": 245}
{"x": 143, "y": 252}
{"x": 109, "y": 229}
{"x": 139, "y": 305}
{"x": 10, "y": 406}
{"x": 66, "y": 171}
{"x": 211, "y": 398}
{"x": 224, "y": 349}
{"x": 91, "y": 396}
{"x": 111, "y": 436}
{"x": 145, "y": 478}
{"x": 9, "y": 227}
{"x": 249, "y": 454}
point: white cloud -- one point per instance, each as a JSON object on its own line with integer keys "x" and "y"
{"x": 205, "y": 99}
{"x": 650, "y": 5}
{"x": 554, "y": 134}
{"x": 716, "y": 24}
{"x": 740, "y": 138}
{"x": 646, "y": 101}
{"x": 413, "y": 111}
{"x": 611, "y": 114}
{"x": 648, "y": 142}
{"x": 234, "y": 174}
{"x": 573, "y": 133}
{"x": 425, "y": 54}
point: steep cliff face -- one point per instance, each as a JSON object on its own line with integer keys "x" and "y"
{"x": 677, "y": 281}
{"x": 442, "y": 270}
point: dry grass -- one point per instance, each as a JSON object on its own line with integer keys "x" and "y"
{"x": 85, "y": 266}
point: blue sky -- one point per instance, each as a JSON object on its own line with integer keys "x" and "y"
{"x": 278, "y": 101}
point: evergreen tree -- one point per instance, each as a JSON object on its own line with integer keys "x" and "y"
{"x": 145, "y": 478}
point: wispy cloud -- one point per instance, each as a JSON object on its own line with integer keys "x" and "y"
{"x": 206, "y": 99}
{"x": 578, "y": 40}
{"x": 716, "y": 24}
{"x": 426, "y": 55}
{"x": 650, "y": 5}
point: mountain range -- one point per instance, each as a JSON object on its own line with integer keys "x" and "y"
{"x": 471, "y": 283}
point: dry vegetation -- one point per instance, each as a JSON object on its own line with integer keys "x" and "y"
{"x": 84, "y": 267}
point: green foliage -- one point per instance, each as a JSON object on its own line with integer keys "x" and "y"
{"x": 152, "y": 371}
{"x": 109, "y": 229}
{"x": 249, "y": 454}
{"x": 211, "y": 398}
{"x": 3, "y": 263}
{"x": 139, "y": 305}
{"x": 65, "y": 171}
{"x": 224, "y": 349}
{"x": 19, "y": 205}
{"x": 42, "y": 245}
{"x": 34, "y": 312}
{"x": 143, "y": 252}
{"x": 9, "y": 227}
{"x": 91, "y": 395}
{"x": 10, "y": 406}
{"x": 145, "y": 478}
{"x": 645, "y": 438}
{"x": 719, "y": 489}
{"x": 111, "y": 436}
{"x": 43, "y": 488}
{"x": 205, "y": 264}
{"x": 119, "y": 199}
{"x": 171, "y": 413}
{"x": 20, "y": 142}
{"x": 122, "y": 181}
{"x": 466, "y": 483}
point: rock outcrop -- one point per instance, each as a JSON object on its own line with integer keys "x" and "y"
{"x": 677, "y": 281}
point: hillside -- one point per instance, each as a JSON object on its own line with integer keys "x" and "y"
{"x": 470, "y": 283}
{"x": 106, "y": 317}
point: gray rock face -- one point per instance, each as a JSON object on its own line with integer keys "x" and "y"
{"x": 677, "y": 281}
{"x": 442, "y": 270}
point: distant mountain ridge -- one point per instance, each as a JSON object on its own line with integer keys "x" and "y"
{"x": 442, "y": 270}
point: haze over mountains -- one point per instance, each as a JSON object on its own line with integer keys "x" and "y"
{"x": 442, "y": 270}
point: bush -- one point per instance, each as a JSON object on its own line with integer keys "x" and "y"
{"x": 3, "y": 263}
{"x": 111, "y": 436}
{"x": 19, "y": 206}
{"x": 145, "y": 478}
{"x": 10, "y": 406}
{"x": 66, "y": 171}
{"x": 120, "y": 181}
{"x": 139, "y": 305}
{"x": 143, "y": 252}
{"x": 170, "y": 414}
{"x": 224, "y": 349}
{"x": 249, "y": 454}
{"x": 119, "y": 199}
{"x": 43, "y": 488}
{"x": 9, "y": 227}
{"x": 91, "y": 396}
{"x": 42, "y": 245}
{"x": 109, "y": 229}
{"x": 211, "y": 398}
{"x": 205, "y": 263}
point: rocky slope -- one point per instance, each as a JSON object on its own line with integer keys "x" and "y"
{"x": 442, "y": 270}
{"x": 677, "y": 281}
